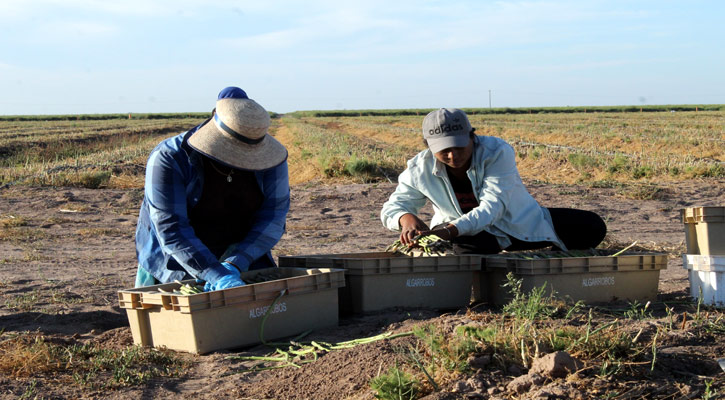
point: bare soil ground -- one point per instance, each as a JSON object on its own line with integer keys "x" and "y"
{"x": 72, "y": 249}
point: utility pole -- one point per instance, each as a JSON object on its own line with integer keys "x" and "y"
{"x": 489, "y": 98}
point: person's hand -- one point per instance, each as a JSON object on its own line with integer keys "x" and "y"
{"x": 225, "y": 282}
{"x": 230, "y": 280}
{"x": 410, "y": 227}
{"x": 447, "y": 232}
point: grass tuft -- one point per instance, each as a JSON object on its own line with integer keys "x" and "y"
{"x": 85, "y": 365}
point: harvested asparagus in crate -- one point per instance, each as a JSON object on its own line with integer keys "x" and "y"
{"x": 429, "y": 245}
{"x": 263, "y": 277}
{"x": 184, "y": 289}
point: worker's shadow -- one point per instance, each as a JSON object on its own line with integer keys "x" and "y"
{"x": 75, "y": 322}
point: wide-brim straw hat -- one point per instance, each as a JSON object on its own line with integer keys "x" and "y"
{"x": 238, "y": 134}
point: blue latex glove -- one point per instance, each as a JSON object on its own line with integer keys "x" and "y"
{"x": 225, "y": 282}
{"x": 230, "y": 280}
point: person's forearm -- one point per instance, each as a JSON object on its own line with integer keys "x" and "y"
{"x": 451, "y": 230}
{"x": 408, "y": 219}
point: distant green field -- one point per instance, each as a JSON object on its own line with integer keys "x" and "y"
{"x": 596, "y": 146}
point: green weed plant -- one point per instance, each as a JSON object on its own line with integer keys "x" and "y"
{"x": 395, "y": 384}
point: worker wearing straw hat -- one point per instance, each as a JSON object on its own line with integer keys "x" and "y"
{"x": 216, "y": 198}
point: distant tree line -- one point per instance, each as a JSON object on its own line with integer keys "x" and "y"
{"x": 509, "y": 110}
{"x": 381, "y": 112}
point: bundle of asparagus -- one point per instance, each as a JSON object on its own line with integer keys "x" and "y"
{"x": 423, "y": 246}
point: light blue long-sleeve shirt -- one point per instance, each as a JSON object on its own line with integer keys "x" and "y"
{"x": 505, "y": 206}
{"x": 166, "y": 245}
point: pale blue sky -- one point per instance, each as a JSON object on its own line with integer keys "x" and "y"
{"x": 94, "y": 56}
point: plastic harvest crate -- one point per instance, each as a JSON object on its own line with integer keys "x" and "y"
{"x": 380, "y": 280}
{"x": 704, "y": 230}
{"x": 230, "y": 318}
{"x": 591, "y": 279}
{"x": 707, "y": 278}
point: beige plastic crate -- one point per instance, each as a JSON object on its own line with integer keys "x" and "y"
{"x": 380, "y": 280}
{"x": 704, "y": 230}
{"x": 591, "y": 279}
{"x": 230, "y": 318}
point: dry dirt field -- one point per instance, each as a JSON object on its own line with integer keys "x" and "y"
{"x": 60, "y": 270}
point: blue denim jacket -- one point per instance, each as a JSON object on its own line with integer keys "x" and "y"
{"x": 505, "y": 206}
{"x": 165, "y": 242}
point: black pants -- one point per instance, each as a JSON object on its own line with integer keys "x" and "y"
{"x": 578, "y": 229}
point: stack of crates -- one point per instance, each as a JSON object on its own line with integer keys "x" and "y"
{"x": 705, "y": 257}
